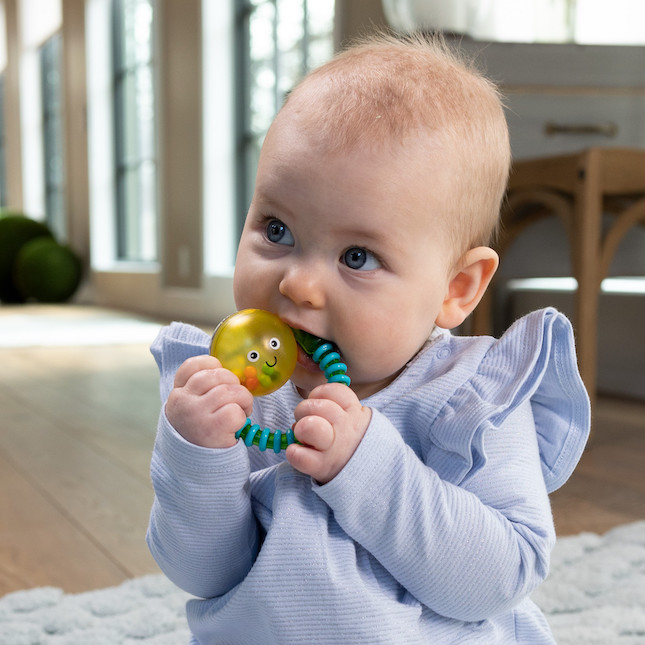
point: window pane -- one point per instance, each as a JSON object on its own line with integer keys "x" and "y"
{"x": 136, "y": 39}
{"x": 144, "y": 101}
{"x": 148, "y": 211}
{"x": 292, "y": 43}
{"x": 53, "y": 149}
{"x": 137, "y": 234}
{"x": 129, "y": 225}
{"x": 285, "y": 38}
{"x": 320, "y": 22}
{"x": 129, "y": 122}
{"x": 136, "y": 96}
{"x": 262, "y": 67}
{"x": 135, "y": 130}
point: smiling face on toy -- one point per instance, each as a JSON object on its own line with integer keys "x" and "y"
{"x": 258, "y": 348}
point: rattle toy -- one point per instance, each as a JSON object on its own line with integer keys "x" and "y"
{"x": 262, "y": 351}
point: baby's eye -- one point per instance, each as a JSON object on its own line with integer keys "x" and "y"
{"x": 253, "y": 356}
{"x": 274, "y": 343}
{"x": 360, "y": 259}
{"x": 278, "y": 233}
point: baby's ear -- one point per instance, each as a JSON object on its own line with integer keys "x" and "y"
{"x": 467, "y": 286}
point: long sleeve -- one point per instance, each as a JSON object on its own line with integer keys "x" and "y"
{"x": 466, "y": 552}
{"x": 202, "y": 531}
{"x": 436, "y": 530}
{"x": 449, "y": 487}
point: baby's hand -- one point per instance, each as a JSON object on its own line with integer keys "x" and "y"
{"x": 330, "y": 424}
{"x": 208, "y": 405}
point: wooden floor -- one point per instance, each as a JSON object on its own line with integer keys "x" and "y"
{"x": 76, "y": 431}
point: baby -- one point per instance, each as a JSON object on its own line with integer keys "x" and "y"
{"x": 414, "y": 508}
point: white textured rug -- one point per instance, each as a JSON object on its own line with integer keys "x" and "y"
{"x": 595, "y": 592}
{"x": 595, "y": 595}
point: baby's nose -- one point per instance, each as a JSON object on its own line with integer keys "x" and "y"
{"x": 304, "y": 285}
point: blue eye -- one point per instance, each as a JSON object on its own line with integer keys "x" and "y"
{"x": 278, "y": 233}
{"x": 360, "y": 259}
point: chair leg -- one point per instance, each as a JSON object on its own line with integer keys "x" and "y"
{"x": 586, "y": 256}
{"x": 586, "y": 329}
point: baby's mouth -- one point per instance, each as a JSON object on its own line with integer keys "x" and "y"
{"x": 304, "y": 360}
{"x": 307, "y": 345}
{"x": 313, "y": 350}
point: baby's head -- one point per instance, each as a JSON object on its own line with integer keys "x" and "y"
{"x": 378, "y": 188}
{"x": 416, "y": 97}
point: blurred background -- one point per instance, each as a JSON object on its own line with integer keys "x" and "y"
{"x": 132, "y": 128}
{"x": 129, "y": 136}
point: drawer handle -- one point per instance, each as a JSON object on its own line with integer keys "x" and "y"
{"x": 604, "y": 129}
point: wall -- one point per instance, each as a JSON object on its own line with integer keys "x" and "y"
{"x": 356, "y": 17}
{"x": 12, "y": 108}
{"x": 178, "y": 286}
{"x": 567, "y": 85}
{"x": 75, "y": 100}
{"x": 180, "y": 112}
{"x": 75, "y": 125}
{"x": 563, "y": 83}
{"x": 573, "y": 85}
{"x": 181, "y": 287}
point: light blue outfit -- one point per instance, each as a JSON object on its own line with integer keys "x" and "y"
{"x": 437, "y": 529}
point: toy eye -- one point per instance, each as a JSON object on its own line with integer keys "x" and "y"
{"x": 274, "y": 343}
{"x": 253, "y": 356}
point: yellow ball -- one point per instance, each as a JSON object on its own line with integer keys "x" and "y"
{"x": 257, "y": 347}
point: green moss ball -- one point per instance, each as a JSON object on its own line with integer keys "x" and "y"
{"x": 47, "y": 271}
{"x": 15, "y": 231}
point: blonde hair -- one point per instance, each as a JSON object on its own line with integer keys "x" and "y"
{"x": 384, "y": 90}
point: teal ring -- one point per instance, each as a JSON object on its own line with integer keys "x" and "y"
{"x": 264, "y": 438}
{"x": 250, "y": 435}
{"x": 277, "y": 441}
{"x": 329, "y": 361}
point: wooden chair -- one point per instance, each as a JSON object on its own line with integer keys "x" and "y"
{"x": 579, "y": 188}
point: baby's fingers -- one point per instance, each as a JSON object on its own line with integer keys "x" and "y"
{"x": 315, "y": 432}
{"x": 193, "y": 365}
{"x": 205, "y": 381}
{"x": 309, "y": 461}
{"x": 326, "y": 409}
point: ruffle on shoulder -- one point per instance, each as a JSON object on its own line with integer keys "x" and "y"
{"x": 172, "y": 346}
{"x": 533, "y": 361}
